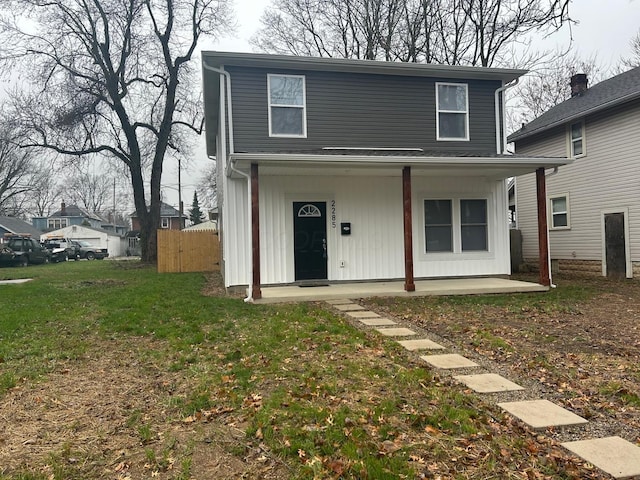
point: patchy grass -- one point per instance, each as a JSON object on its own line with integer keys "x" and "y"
{"x": 138, "y": 375}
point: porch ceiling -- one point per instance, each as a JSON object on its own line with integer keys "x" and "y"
{"x": 492, "y": 167}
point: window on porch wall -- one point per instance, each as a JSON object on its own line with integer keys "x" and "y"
{"x": 471, "y": 220}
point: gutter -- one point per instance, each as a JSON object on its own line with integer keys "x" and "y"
{"x": 501, "y": 139}
{"x": 232, "y": 166}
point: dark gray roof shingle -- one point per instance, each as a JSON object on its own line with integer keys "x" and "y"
{"x": 609, "y": 93}
{"x": 15, "y": 225}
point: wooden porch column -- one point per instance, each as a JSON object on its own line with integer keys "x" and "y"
{"x": 409, "y": 284}
{"x": 543, "y": 241}
{"x": 255, "y": 233}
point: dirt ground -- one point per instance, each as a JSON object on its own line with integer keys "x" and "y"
{"x": 586, "y": 355}
{"x": 111, "y": 405}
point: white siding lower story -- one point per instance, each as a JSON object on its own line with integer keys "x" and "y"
{"x": 373, "y": 205}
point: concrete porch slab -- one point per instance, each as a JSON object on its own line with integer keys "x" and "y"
{"x": 420, "y": 344}
{"x": 396, "y": 332}
{"x": 448, "y": 360}
{"x": 449, "y": 286}
{"x": 13, "y": 282}
{"x": 542, "y": 414}
{"x": 613, "y": 455}
{"x": 377, "y": 322}
{"x": 363, "y": 314}
{"x": 349, "y": 307}
{"x": 488, "y": 383}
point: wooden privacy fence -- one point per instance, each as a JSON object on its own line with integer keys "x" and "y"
{"x": 180, "y": 251}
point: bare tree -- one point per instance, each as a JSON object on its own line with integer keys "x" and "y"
{"x": 112, "y": 78}
{"x": 92, "y": 191}
{"x": 634, "y": 60}
{"x": 207, "y": 187}
{"x": 17, "y": 167}
{"x": 549, "y": 84}
{"x": 454, "y": 32}
{"x": 45, "y": 191}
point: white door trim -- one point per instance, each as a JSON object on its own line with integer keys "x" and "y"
{"x": 627, "y": 250}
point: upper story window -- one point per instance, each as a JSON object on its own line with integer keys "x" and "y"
{"x": 452, "y": 107}
{"x": 287, "y": 106}
{"x": 576, "y": 139}
{"x": 560, "y": 212}
{"x": 56, "y": 223}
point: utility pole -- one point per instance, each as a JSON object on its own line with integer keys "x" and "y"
{"x": 179, "y": 195}
{"x": 114, "y": 204}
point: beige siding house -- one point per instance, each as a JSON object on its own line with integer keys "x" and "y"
{"x": 593, "y": 203}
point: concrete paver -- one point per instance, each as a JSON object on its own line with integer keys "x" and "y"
{"x": 542, "y": 414}
{"x": 488, "y": 383}
{"x": 614, "y": 455}
{"x": 363, "y": 314}
{"x": 448, "y": 360}
{"x": 10, "y": 282}
{"x": 377, "y": 322}
{"x": 396, "y": 332}
{"x": 339, "y": 301}
{"x": 349, "y": 307}
{"x": 420, "y": 344}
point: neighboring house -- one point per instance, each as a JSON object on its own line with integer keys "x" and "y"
{"x": 66, "y": 216}
{"x": 169, "y": 218}
{"x": 12, "y": 225}
{"x": 351, "y": 170}
{"x": 115, "y": 244}
{"x": 594, "y": 203}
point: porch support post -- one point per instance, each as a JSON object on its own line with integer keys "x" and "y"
{"x": 409, "y": 284}
{"x": 256, "y": 293}
{"x": 543, "y": 241}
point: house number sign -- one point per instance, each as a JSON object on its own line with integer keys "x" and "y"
{"x": 333, "y": 214}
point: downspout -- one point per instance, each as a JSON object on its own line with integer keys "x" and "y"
{"x": 551, "y": 284}
{"x": 501, "y": 140}
{"x": 232, "y": 167}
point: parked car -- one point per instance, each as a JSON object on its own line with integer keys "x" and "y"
{"x": 90, "y": 252}
{"x": 7, "y": 256}
{"x": 26, "y": 250}
{"x": 62, "y": 249}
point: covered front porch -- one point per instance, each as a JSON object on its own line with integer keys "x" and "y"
{"x": 449, "y": 286}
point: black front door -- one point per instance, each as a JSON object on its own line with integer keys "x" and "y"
{"x": 310, "y": 240}
{"x": 615, "y": 251}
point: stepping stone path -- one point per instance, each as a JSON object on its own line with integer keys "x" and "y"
{"x": 542, "y": 414}
{"x": 613, "y": 455}
{"x": 449, "y": 360}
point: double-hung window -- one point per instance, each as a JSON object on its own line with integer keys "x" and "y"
{"x": 576, "y": 134}
{"x": 456, "y": 225}
{"x": 164, "y": 222}
{"x": 287, "y": 106}
{"x": 473, "y": 225}
{"x": 438, "y": 225}
{"x": 57, "y": 223}
{"x": 560, "y": 212}
{"x": 452, "y": 111}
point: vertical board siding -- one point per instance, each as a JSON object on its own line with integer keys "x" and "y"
{"x": 375, "y": 248}
{"x": 180, "y": 251}
{"x": 360, "y": 110}
{"x": 607, "y": 177}
{"x": 236, "y": 237}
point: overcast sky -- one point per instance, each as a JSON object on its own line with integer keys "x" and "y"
{"x": 605, "y": 28}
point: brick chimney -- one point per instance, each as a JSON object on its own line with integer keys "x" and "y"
{"x": 578, "y": 84}
{"x": 63, "y": 209}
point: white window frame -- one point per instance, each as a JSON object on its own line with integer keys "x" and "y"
{"x": 456, "y": 225}
{"x": 164, "y": 222}
{"x": 62, "y": 223}
{"x": 552, "y": 225}
{"x": 582, "y": 139}
{"x": 303, "y": 106}
{"x": 466, "y": 113}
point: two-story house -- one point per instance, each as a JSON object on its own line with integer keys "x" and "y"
{"x": 335, "y": 170}
{"x": 594, "y": 203}
{"x": 65, "y": 217}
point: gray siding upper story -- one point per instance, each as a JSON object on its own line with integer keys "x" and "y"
{"x": 363, "y": 110}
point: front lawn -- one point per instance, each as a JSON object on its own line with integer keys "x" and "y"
{"x": 110, "y": 370}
